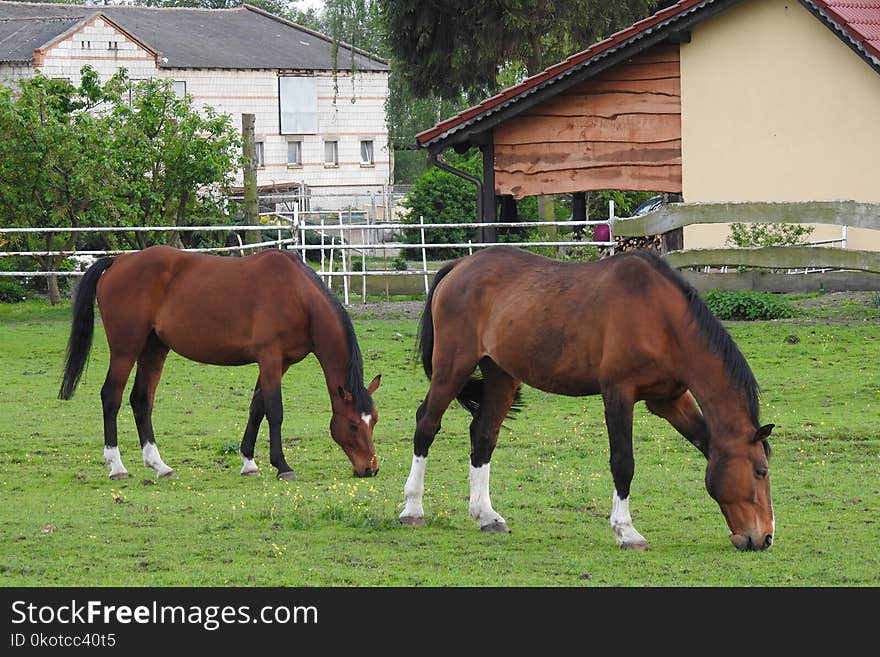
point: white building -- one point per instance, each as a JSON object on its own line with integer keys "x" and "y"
{"x": 316, "y": 130}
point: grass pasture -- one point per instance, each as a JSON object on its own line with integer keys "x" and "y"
{"x": 64, "y": 523}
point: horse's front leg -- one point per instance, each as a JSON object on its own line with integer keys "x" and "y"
{"x": 619, "y": 421}
{"x": 270, "y": 385}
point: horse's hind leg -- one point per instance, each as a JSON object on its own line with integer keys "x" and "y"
{"x": 248, "y": 441}
{"x": 143, "y": 394}
{"x": 499, "y": 392}
{"x": 683, "y": 414}
{"x": 619, "y": 421}
{"x": 111, "y": 399}
{"x": 445, "y": 385}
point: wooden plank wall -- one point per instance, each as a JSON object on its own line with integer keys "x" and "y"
{"x": 619, "y": 130}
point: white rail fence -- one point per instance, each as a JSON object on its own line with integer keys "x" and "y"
{"x": 345, "y": 239}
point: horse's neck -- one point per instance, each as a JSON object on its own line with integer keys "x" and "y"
{"x": 724, "y": 403}
{"x": 330, "y": 344}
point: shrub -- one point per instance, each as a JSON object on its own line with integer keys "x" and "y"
{"x": 750, "y": 235}
{"x": 443, "y": 198}
{"x": 748, "y": 305}
{"x": 11, "y": 292}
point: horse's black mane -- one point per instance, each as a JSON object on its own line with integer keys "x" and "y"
{"x": 717, "y": 336}
{"x": 354, "y": 383}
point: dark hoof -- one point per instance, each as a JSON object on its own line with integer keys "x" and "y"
{"x": 119, "y": 475}
{"x": 636, "y": 547}
{"x": 495, "y": 527}
{"x": 168, "y": 475}
{"x": 287, "y": 476}
{"x": 251, "y": 473}
{"x": 413, "y": 521}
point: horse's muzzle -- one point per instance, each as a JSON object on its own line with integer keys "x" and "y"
{"x": 743, "y": 542}
{"x": 370, "y": 471}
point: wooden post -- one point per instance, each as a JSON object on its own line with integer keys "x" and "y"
{"x": 249, "y": 149}
{"x": 579, "y": 211}
{"x": 490, "y": 207}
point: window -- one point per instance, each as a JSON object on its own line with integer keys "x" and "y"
{"x": 298, "y": 105}
{"x": 331, "y": 153}
{"x": 112, "y": 45}
{"x": 294, "y": 153}
{"x": 177, "y": 86}
{"x": 367, "y": 152}
{"x": 261, "y": 154}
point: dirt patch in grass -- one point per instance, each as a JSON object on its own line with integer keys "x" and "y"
{"x": 401, "y": 310}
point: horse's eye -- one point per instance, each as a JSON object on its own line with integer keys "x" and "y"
{"x": 352, "y": 426}
{"x": 761, "y": 473}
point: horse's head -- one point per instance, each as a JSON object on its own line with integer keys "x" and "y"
{"x": 352, "y": 429}
{"x": 738, "y": 479}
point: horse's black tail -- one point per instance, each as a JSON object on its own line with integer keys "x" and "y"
{"x": 425, "y": 344}
{"x": 471, "y": 395}
{"x": 82, "y": 327}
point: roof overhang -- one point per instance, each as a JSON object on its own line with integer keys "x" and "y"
{"x": 469, "y": 127}
{"x": 832, "y": 20}
{"x": 472, "y": 126}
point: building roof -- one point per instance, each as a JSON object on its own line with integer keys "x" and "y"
{"x": 859, "y": 20}
{"x": 856, "y": 22}
{"x": 19, "y": 37}
{"x": 244, "y": 37}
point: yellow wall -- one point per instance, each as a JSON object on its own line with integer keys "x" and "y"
{"x": 776, "y": 108}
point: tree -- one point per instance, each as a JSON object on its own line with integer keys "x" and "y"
{"x": 172, "y": 164}
{"x": 107, "y": 155}
{"x": 54, "y": 164}
{"x": 462, "y": 45}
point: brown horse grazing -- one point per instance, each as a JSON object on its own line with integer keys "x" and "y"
{"x": 629, "y": 328}
{"x": 268, "y": 308}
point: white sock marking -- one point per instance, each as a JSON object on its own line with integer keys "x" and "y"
{"x": 112, "y": 458}
{"x": 248, "y": 466}
{"x": 153, "y": 460}
{"x": 480, "y": 506}
{"x": 621, "y": 523}
{"x": 414, "y": 489}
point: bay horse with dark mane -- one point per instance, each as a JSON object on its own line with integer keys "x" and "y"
{"x": 629, "y": 328}
{"x": 268, "y": 308}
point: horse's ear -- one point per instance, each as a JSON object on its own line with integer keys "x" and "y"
{"x": 345, "y": 394}
{"x": 374, "y": 384}
{"x": 763, "y": 433}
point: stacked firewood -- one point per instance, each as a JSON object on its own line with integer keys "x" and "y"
{"x": 651, "y": 242}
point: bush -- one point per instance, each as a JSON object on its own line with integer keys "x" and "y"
{"x": 443, "y": 198}
{"x": 11, "y": 292}
{"x": 748, "y": 305}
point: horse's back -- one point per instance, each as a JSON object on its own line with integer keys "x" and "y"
{"x": 208, "y": 308}
{"x": 558, "y": 326}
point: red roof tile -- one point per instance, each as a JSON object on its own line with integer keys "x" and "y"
{"x": 556, "y": 69}
{"x": 858, "y": 19}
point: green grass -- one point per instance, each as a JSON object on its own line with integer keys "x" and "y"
{"x": 66, "y": 524}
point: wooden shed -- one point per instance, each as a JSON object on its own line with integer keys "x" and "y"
{"x": 751, "y": 110}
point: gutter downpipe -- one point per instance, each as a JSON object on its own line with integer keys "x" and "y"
{"x": 434, "y": 159}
